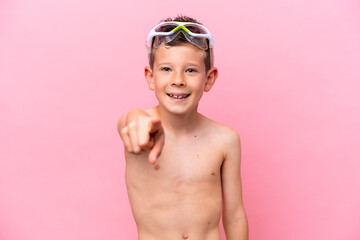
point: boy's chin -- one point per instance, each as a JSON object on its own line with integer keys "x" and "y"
{"x": 179, "y": 110}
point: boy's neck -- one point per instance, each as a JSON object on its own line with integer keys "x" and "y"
{"x": 179, "y": 124}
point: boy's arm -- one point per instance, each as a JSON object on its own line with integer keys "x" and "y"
{"x": 141, "y": 132}
{"x": 234, "y": 217}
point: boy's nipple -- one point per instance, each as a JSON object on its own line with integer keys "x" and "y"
{"x": 157, "y": 166}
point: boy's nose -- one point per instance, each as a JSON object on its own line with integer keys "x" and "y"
{"x": 178, "y": 80}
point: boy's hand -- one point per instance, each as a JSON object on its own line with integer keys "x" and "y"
{"x": 143, "y": 134}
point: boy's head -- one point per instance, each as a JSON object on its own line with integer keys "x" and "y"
{"x": 180, "y": 64}
{"x": 180, "y": 35}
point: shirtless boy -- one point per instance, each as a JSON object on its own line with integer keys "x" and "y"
{"x": 182, "y": 169}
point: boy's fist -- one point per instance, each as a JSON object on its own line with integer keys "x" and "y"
{"x": 143, "y": 134}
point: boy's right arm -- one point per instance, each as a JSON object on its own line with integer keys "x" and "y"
{"x": 140, "y": 132}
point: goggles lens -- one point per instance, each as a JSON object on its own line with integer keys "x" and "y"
{"x": 201, "y": 42}
{"x": 166, "y": 28}
{"x": 196, "y": 29}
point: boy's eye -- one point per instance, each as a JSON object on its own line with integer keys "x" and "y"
{"x": 166, "y": 69}
{"x": 191, "y": 70}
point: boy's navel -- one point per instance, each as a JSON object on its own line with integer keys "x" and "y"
{"x": 185, "y": 236}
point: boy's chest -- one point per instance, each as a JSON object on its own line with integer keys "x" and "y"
{"x": 191, "y": 161}
{"x": 183, "y": 166}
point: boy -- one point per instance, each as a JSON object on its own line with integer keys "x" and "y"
{"x": 182, "y": 169}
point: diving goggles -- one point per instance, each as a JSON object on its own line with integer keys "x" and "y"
{"x": 165, "y": 32}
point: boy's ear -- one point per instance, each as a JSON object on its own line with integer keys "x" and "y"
{"x": 211, "y": 77}
{"x": 149, "y": 78}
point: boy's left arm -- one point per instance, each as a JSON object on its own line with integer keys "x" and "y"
{"x": 234, "y": 217}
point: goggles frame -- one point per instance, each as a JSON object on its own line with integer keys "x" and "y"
{"x": 181, "y": 27}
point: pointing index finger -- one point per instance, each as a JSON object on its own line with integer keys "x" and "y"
{"x": 155, "y": 125}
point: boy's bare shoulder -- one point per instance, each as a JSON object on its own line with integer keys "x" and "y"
{"x": 152, "y": 112}
{"x": 225, "y": 134}
{"x": 226, "y": 138}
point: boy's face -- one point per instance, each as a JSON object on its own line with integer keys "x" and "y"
{"x": 179, "y": 77}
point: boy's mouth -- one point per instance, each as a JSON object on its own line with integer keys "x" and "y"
{"x": 177, "y": 96}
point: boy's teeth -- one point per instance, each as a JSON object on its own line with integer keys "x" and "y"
{"x": 178, "y": 97}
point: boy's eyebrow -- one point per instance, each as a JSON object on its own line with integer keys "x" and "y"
{"x": 193, "y": 64}
{"x": 186, "y": 64}
{"x": 161, "y": 63}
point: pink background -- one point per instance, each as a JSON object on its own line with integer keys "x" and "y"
{"x": 288, "y": 83}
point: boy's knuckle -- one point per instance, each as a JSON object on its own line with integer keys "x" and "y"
{"x": 124, "y": 131}
{"x": 142, "y": 143}
{"x": 137, "y": 150}
{"x": 132, "y": 125}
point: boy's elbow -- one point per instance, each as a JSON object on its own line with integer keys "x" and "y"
{"x": 235, "y": 218}
{"x": 235, "y": 215}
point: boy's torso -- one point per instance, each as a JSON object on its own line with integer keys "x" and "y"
{"x": 180, "y": 197}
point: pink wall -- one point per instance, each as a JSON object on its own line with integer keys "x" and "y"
{"x": 288, "y": 82}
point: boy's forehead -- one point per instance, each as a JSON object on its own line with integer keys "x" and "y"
{"x": 179, "y": 53}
